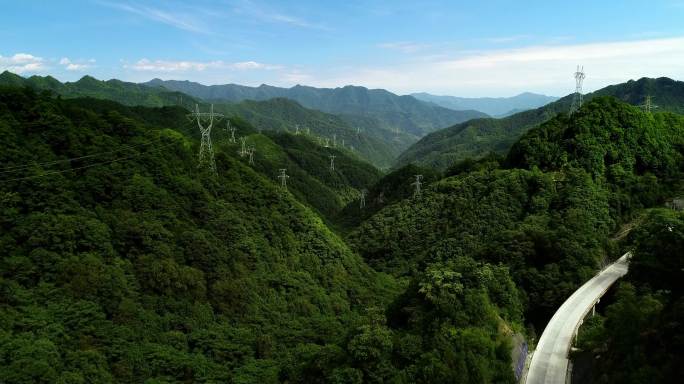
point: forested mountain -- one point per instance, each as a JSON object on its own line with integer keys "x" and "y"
{"x": 476, "y": 138}
{"x": 122, "y": 261}
{"x": 128, "y": 263}
{"x": 666, "y": 94}
{"x": 392, "y": 188}
{"x": 120, "y": 91}
{"x": 377, "y": 145}
{"x": 374, "y": 143}
{"x": 493, "y": 106}
{"x": 546, "y": 213}
{"x": 405, "y": 113}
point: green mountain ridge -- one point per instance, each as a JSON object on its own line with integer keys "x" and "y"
{"x": 378, "y": 146}
{"x": 375, "y": 143}
{"x": 134, "y": 264}
{"x": 405, "y": 113}
{"x": 126, "y": 93}
{"x": 493, "y": 106}
{"x": 476, "y": 138}
{"x": 546, "y": 212}
{"x": 124, "y": 262}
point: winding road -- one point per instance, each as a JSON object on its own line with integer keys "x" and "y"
{"x": 549, "y": 363}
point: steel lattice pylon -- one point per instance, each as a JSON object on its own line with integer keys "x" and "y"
{"x": 577, "y": 98}
{"x": 206, "y": 153}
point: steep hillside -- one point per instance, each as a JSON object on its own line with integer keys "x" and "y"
{"x": 666, "y": 94}
{"x": 374, "y": 143}
{"x": 379, "y": 146}
{"x": 122, "y": 262}
{"x": 476, "y": 138}
{"x": 391, "y": 188}
{"x": 493, "y": 106}
{"x": 547, "y": 214}
{"x": 306, "y": 161}
{"x": 120, "y": 91}
{"x": 405, "y": 113}
{"x": 311, "y": 179}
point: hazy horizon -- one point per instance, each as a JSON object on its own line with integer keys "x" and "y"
{"x": 496, "y": 49}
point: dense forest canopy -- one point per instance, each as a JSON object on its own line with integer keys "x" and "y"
{"x": 122, "y": 261}
{"x": 479, "y": 137}
{"x": 365, "y": 136}
{"x": 405, "y": 113}
{"x": 134, "y": 265}
{"x": 547, "y": 212}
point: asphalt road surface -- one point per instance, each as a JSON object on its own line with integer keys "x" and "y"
{"x": 550, "y": 360}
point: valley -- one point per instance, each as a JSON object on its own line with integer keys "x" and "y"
{"x": 363, "y": 192}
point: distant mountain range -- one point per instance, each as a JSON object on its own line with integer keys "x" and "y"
{"x": 392, "y": 112}
{"x": 126, "y": 93}
{"x": 493, "y": 106}
{"x": 476, "y": 138}
{"x": 371, "y": 142}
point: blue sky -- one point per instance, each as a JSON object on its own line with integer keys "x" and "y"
{"x": 475, "y": 48}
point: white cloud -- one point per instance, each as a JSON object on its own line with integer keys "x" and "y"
{"x": 175, "y": 19}
{"x": 535, "y": 68}
{"x": 172, "y": 66}
{"x": 506, "y": 39}
{"x": 265, "y": 14}
{"x": 404, "y": 46}
{"x": 21, "y": 63}
{"x": 79, "y": 65}
{"x": 293, "y": 77}
{"x": 197, "y": 66}
{"x": 246, "y": 65}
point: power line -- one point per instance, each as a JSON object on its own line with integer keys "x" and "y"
{"x": 84, "y": 166}
{"x": 20, "y": 167}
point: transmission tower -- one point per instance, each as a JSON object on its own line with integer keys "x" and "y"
{"x": 243, "y": 146}
{"x": 327, "y": 142}
{"x": 417, "y": 184}
{"x": 297, "y": 129}
{"x": 577, "y": 98}
{"x": 283, "y": 178}
{"x": 232, "y": 131}
{"x": 648, "y": 104}
{"x": 206, "y": 154}
{"x": 334, "y": 140}
{"x": 332, "y": 162}
{"x": 362, "y": 199}
{"x": 251, "y": 154}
